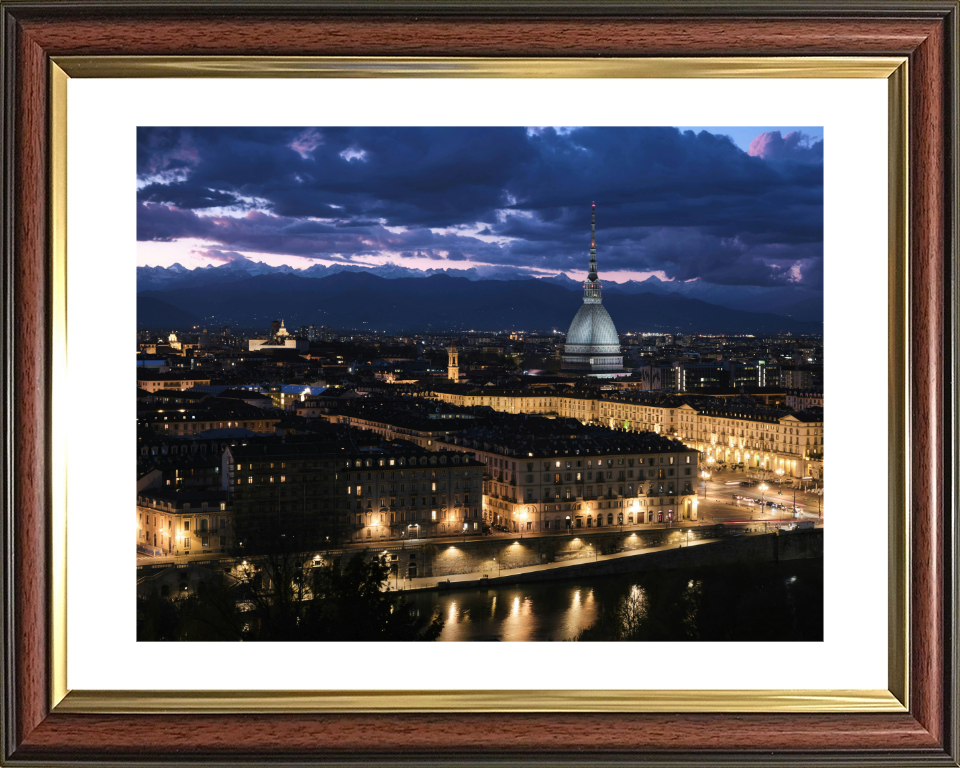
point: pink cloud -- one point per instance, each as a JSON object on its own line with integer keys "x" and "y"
{"x": 306, "y": 142}
{"x": 773, "y": 146}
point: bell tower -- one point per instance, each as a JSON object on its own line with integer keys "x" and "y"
{"x": 453, "y": 370}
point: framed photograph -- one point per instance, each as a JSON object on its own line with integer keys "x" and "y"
{"x": 471, "y": 325}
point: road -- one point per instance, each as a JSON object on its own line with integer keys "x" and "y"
{"x": 719, "y": 505}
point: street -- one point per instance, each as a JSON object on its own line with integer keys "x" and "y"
{"x": 719, "y": 505}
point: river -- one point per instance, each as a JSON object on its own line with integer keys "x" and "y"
{"x": 750, "y": 602}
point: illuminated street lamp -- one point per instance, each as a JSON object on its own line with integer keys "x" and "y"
{"x": 763, "y": 487}
{"x": 706, "y": 476}
{"x": 523, "y": 518}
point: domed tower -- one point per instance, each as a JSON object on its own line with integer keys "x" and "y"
{"x": 453, "y": 370}
{"x": 592, "y": 344}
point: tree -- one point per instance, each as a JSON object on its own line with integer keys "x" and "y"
{"x": 631, "y": 615}
{"x": 282, "y": 598}
{"x": 156, "y": 618}
{"x": 351, "y": 604}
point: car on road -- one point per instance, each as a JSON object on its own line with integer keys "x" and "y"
{"x": 745, "y": 483}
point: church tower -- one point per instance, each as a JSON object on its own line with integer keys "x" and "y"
{"x": 453, "y": 370}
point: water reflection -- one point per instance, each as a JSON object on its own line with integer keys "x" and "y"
{"x": 757, "y": 602}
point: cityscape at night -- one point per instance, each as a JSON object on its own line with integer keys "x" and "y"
{"x": 501, "y": 384}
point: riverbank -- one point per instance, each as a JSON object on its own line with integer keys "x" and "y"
{"x": 701, "y": 552}
{"x": 742, "y": 602}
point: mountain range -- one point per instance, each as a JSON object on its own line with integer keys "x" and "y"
{"x": 178, "y": 276}
{"x": 440, "y": 303}
{"x": 791, "y": 301}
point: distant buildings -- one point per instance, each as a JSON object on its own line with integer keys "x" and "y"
{"x": 801, "y": 376}
{"x": 802, "y": 399}
{"x": 151, "y": 380}
{"x": 185, "y": 423}
{"x": 285, "y": 342}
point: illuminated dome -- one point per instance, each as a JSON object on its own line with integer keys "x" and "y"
{"x": 592, "y": 330}
{"x": 592, "y": 344}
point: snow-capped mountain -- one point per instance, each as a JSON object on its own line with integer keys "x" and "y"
{"x": 178, "y": 276}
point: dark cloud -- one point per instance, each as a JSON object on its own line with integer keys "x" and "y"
{"x": 184, "y": 195}
{"x": 691, "y": 204}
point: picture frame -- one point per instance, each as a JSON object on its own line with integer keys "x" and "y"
{"x": 914, "y": 43}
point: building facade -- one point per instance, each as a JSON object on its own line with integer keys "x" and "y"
{"x": 769, "y": 440}
{"x": 175, "y": 523}
{"x": 567, "y": 478}
{"x": 335, "y": 496}
{"x": 690, "y": 420}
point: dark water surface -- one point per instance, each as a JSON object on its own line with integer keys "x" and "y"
{"x": 766, "y": 601}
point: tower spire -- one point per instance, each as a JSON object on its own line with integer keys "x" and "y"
{"x": 593, "y": 244}
{"x": 593, "y": 229}
{"x": 591, "y": 288}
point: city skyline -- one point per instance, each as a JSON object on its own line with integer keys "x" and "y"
{"x": 678, "y": 204}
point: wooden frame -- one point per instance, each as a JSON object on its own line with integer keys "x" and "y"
{"x": 34, "y": 33}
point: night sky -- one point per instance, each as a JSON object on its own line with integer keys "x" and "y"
{"x": 682, "y": 204}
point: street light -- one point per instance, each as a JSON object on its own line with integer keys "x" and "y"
{"x": 523, "y": 518}
{"x": 763, "y": 487}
